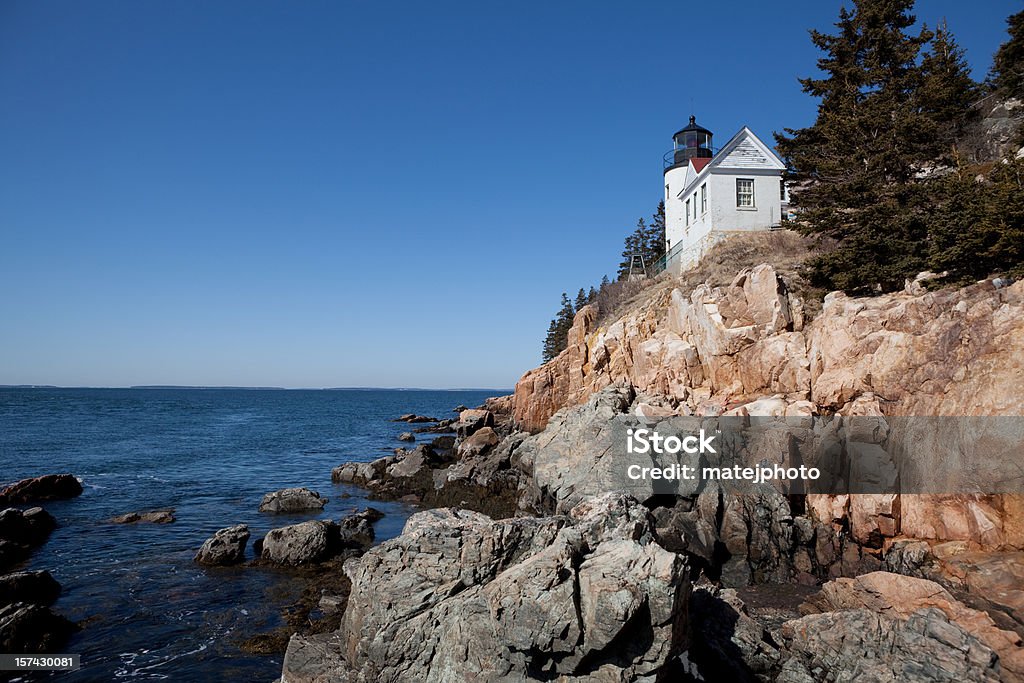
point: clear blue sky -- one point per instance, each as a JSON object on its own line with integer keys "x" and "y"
{"x": 354, "y": 193}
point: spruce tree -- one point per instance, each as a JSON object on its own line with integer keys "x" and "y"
{"x": 591, "y": 296}
{"x": 947, "y": 91}
{"x": 557, "y": 337}
{"x": 1008, "y": 67}
{"x": 855, "y": 168}
{"x": 978, "y": 229}
{"x": 551, "y": 341}
{"x": 634, "y": 243}
{"x": 581, "y": 299}
{"x": 655, "y": 240}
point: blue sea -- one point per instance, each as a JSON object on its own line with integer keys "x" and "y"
{"x": 148, "y": 612}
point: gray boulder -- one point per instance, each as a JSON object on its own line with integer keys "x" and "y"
{"x": 311, "y": 541}
{"x": 356, "y": 530}
{"x": 225, "y": 547}
{"x": 406, "y": 436}
{"x": 459, "y": 596}
{"x": 151, "y": 517}
{"x": 292, "y": 500}
{"x": 579, "y": 455}
{"x": 862, "y": 645}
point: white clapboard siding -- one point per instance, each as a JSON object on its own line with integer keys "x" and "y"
{"x": 746, "y": 155}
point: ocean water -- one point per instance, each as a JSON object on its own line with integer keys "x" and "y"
{"x": 148, "y": 612}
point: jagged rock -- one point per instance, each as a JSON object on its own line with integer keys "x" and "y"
{"x": 36, "y": 587}
{"x": 414, "y": 418}
{"x": 303, "y": 543}
{"x": 413, "y": 468}
{"x": 32, "y": 629}
{"x": 458, "y": 596}
{"x": 903, "y": 597}
{"x": 151, "y": 517}
{"x": 406, "y": 436}
{"x": 31, "y": 527}
{"x": 730, "y": 645}
{"x": 442, "y": 427}
{"x": 47, "y": 487}
{"x": 478, "y": 442}
{"x": 356, "y": 530}
{"x": 292, "y": 500}
{"x": 472, "y": 420}
{"x": 443, "y": 443}
{"x": 578, "y": 455}
{"x": 861, "y": 645}
{"x": 362, "y": 473}
{"x": 315, "y": 659}
{"x": 225, "y": 547}
{"x": 22, "y": 531}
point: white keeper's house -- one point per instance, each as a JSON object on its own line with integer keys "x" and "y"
{"x": 710, "y": 194}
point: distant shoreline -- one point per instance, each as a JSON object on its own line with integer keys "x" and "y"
{"x": 234, "y": 388}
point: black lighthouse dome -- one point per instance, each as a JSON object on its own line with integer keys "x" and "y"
{"x": 692, "y": 142}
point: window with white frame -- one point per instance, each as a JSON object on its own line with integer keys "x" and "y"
{"x": 687, "y": 211}
{"x": 745, "y": 193}
{"x": 694, "y": 207}
{"x": 704, "y": 198}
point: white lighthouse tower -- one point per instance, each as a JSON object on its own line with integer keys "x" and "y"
{"x": 710, "y": 194}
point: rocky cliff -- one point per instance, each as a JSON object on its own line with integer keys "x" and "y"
{"x": 748, "y": 347}
{"x": 950, "y": 352}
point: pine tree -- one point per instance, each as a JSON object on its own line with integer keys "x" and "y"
{"x": 604, "y": 281}
{"x": 591, "y": 296}
{"x": 947, "y": 91}
{"x": 634, "y": 243}
{"x": 557, "y": 337}
{"x": 978, "y": 229}
{"x": 855, "y": 167}
{"x": 1008, "y": 67}
{"x": 551, "y": 341}
{"x": 655, "y": 239}
{"x": 581, "y": 299}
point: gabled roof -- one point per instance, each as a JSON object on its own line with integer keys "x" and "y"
{"x": 743, "y": 151}
{"x": 699, "y": 163}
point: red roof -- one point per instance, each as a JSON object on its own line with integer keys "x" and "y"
{"x": 699, "y": 163}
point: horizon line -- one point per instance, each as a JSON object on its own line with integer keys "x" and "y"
{"x": 247, "y": 388}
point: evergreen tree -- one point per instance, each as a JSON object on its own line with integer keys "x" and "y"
{"x": 855, "y": 167}
{"x": 581, "y": 299}
{"x": 635, "y": 243}
{"x": 605, "y": 281}
{"x": 1008, "y": 67}
{"x": 947, "y": 91}
{"x": 591, "y": 296}
{"x": 655, "y": 241}
{"x": 978, "y": 229}
{"x": 557, "y": 337}
{"x": 551, "y": 342}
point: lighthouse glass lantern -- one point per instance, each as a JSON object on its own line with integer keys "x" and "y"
{"x": 692, "y": 142}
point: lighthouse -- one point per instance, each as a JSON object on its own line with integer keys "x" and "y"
{"x": 712, "y": 193}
